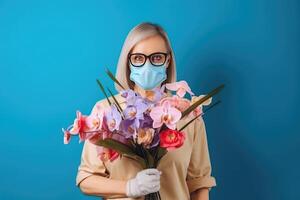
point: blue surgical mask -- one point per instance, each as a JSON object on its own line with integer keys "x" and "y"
{"x": 148, "y": 76}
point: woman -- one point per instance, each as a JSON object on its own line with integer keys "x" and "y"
{"x": 147, "y": 61}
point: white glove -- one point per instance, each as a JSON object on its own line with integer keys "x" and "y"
{"x": 146, "y": 181}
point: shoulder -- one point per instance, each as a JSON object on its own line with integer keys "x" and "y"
{"x": 190, "y": 118}
{"x": 103, "y": 103}
{"x": 199, "y": 125}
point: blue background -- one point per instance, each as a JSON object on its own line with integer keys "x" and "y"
{"x": 51, "y": 52}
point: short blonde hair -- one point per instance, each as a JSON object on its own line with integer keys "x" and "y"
{"x": 138, "y": 33}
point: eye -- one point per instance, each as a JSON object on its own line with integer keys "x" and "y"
{"x": 137, "y": 58}
{"x": 157, "y": 58}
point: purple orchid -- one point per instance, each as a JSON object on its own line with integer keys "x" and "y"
{"x": 130, "y": 96}
{"x": 135, "y": 111}
{"x": 155, "y": 140}
{"x": 113, "y": 118}
{"x": 127, "y": 128}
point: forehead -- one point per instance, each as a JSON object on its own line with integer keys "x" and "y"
{"x": 150, "y": 45}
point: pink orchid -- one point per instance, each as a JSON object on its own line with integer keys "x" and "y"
{"x": 180, "y": 103}
{"x": 94, "y": 121}
{"x": 106, "y": 154}
{"x": 198, "y": 110}
{"x": 181, "y": 87}
{"x": 79, "y": 125}
{"x": 165, "y": 114}
{"x": 94, "y": 137}
{"x": 83, "y": 125}
{"x": 67, "y": 136}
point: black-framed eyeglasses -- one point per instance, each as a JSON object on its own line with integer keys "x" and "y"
{"x": 156, "y": 58}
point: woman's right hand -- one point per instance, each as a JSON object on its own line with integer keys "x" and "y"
{"x": 146, "y": 181}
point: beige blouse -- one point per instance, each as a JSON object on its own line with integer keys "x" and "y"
{"x": 184, "y": 170}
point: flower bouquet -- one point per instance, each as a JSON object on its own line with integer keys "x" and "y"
{"x": 145, "y": 128}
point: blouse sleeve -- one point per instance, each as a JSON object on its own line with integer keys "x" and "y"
{"x": 199, "y": 169}
{"x": 90, "y": 163}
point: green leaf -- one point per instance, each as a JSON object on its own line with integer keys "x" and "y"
{"x": 114, "y": 79}
{"x": 200, "y": 101}
{"x": 115, "y": 100}
{"x": 116, "y": 145}
{"x": 149, "y": 158}
{"x": 199, "y": 115}
{"x": 160, "y": 153}
{"x": 121, "y": 148}
{"x": 132, "y": 144}
{"x": 103, "y": 91}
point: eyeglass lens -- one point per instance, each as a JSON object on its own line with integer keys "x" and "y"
{"x": 139, "y": 59}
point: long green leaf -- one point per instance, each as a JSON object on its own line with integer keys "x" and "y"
{"x": 122, "y": 149}
{"x": 116, "y": 145}
{"x": 114, "y": 78}
{"x": 103, "y": 91}
{"x": 200, "y": 101}
{"x": 149, "y": 158}
{"x": 141, "y": 152}
{"x": 160, "y": 153}
{"x": 115, "y": 100}
{"x": 199, "y": 115}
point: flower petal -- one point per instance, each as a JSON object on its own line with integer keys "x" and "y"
{"x": 172, "y": 86}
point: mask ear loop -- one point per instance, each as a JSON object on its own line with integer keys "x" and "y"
{"x": 168, "y": 61}
{"x": 169, "y": 56}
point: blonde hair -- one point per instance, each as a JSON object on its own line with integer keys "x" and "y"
{"x": 138, "y": 33}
